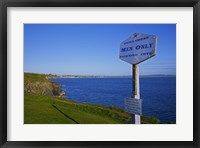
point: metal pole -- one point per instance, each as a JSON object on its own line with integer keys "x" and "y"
{"x": 135, "y": 90}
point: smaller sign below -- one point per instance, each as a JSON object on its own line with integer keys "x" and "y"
{"x": 133, "y": 106}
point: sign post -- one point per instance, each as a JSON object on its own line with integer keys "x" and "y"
{"x": 134, "y": 50}
{"x": 135, "y": 90}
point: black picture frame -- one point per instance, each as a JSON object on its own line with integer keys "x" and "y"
{"x": 4, "y": 4}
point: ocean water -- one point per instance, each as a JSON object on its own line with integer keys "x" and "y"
{"x": 158, "y": 93}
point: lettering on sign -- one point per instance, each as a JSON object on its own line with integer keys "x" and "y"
{"x": 137, "y": 48}
{"x": 133, "y": 106}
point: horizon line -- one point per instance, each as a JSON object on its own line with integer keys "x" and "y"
{"x": 101, "y": 75}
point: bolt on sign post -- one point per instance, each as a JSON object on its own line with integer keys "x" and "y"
{"x": 134, "y": 50}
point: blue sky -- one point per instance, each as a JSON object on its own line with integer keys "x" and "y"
{"x": 93, "y": 49}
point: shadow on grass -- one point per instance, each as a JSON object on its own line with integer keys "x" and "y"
{"x": 65, "y": 114}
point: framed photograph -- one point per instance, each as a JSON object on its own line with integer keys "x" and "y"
{"x": 99, "y": 73}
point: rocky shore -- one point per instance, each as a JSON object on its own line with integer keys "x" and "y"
{"x": 41, "y": 85}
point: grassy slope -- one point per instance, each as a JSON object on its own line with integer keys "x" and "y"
{"x": 43, "y": 107}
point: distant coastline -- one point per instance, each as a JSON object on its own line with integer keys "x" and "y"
{"x": 128, "y": 76}
{"x": 96, "y": 76}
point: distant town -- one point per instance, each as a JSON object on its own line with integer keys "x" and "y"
{"x": 49, "y": 75}
{"x": 125, "y": 76}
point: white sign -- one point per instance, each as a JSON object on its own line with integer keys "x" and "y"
{"x": 137, "y": 48}
{"x": 133, "y": 106}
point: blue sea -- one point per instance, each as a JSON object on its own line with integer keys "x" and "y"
{"x": 158, "y": 93}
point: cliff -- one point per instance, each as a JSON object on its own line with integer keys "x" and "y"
{"x": 38, "y": 84}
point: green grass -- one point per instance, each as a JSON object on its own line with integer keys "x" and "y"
{"x": 53, "y": 110}
{"x": 147, "y": 120}
{"x": 35, "y": 77}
